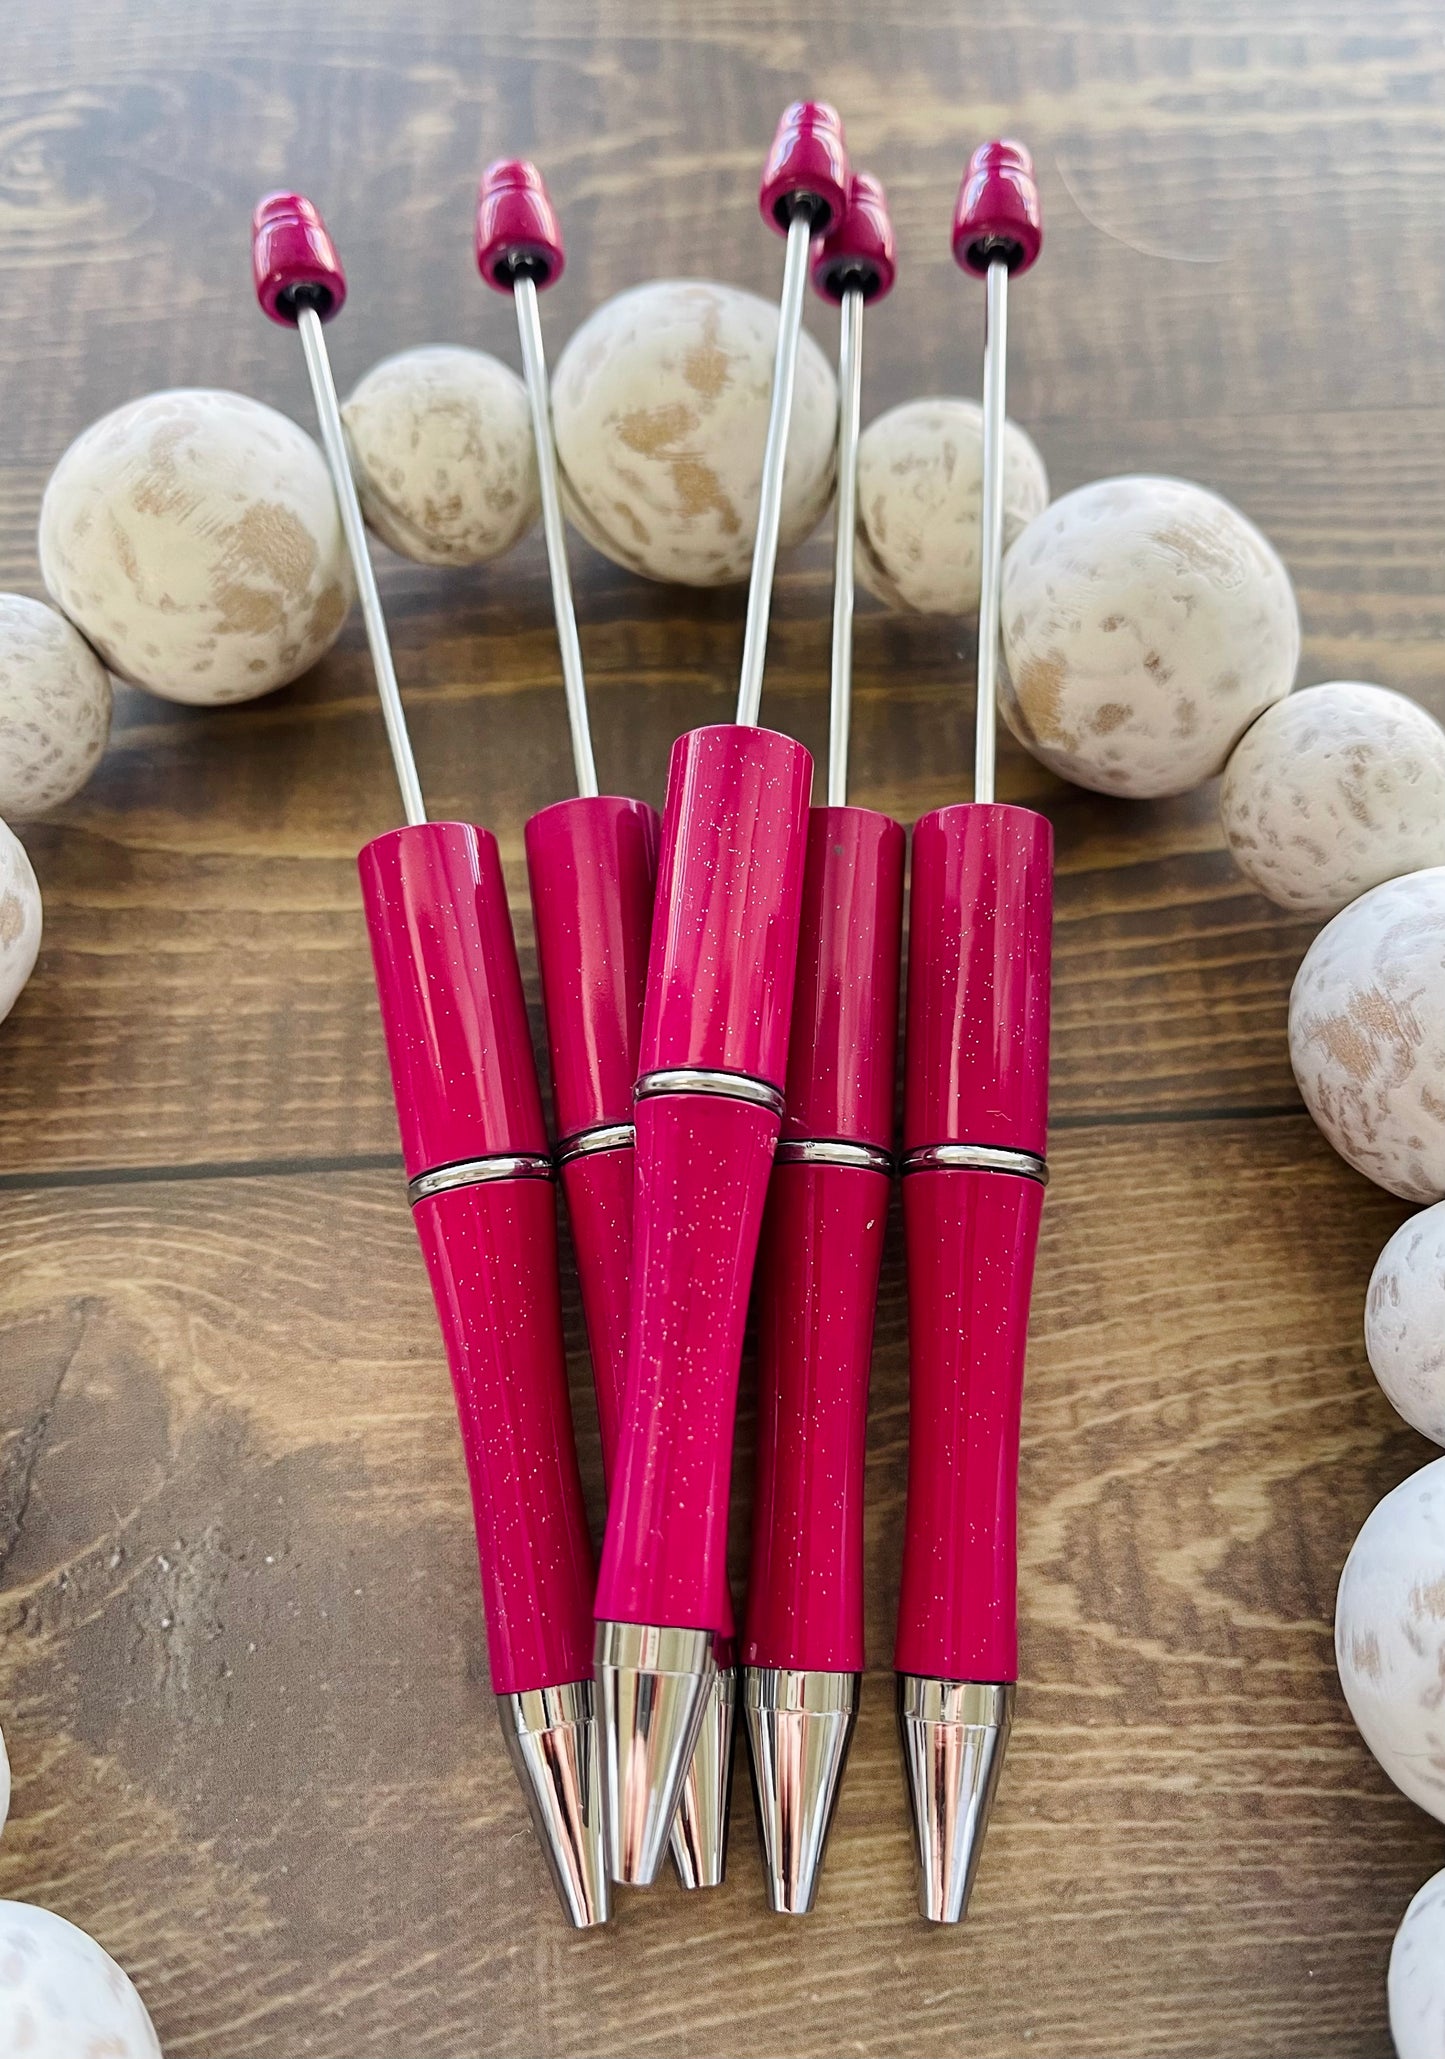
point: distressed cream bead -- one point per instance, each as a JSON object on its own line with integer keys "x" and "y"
{"x": 1334, "y": 789}
{"x": 20, "y": 918}
{"x": 1417, "y": 1976}
{"x": 920, "y": 492}
{"x": 1390, "y": 1635}
{"x": 1405, "y": 1321}
{"x": 193, "y": 536}
{"x": 62, "y": 1997}
{"x": 446, "y": 467}
{"x": 660, "y": 409}
{"x": 1367, "y": 1034}
{"x": 54, "y": 708}
{"x": 1146, "y": 624}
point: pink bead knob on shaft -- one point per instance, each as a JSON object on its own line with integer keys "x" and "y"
{"x": 806, "y": 165}
{"x": 294, "y": 261}
{"x": 997, "y": 216}
{"x": 858, "y": 249}
{"x": 518, "y": 233}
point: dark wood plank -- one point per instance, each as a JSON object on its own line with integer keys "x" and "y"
{"x": 246, "y": 1696}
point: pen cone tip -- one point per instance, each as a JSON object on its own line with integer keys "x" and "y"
{"x": 653, "y": 1685}
{"x": 800, "y": 1725}
{"x": 700, "y": 1831}
{"x": 553, "y": 1744}
{"x": 954, "y": 1734}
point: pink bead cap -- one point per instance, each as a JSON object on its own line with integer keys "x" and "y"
{"x": 807, "y": 166}
{"x": 997, "y": 215}
{"x": 858, "y": 249}
{"x": 294, "y": 261}
{"x": 518, "y": 233}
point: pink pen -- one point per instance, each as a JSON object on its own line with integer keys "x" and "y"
{"x": 709, "y": 1104}
{"x": 822, "y": 1240}
{"x": 974, "y": 1133}
{"x": 479, "y": 1180}
{"x": 592, "y": 869}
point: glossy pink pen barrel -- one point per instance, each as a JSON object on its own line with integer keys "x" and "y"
{"x": 975, "y": 1121}
{"x": 822, "y": 1244}
{"x": 974, "y": 1131}
{"x": 822, "y": 1248}
{"x": 592, "y": 864}
{"x": 709, "y": 1103}
{"x": 592, "y": 869}
{"x": 478, "y": 1172}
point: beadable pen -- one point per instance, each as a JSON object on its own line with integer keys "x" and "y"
{"x": 479, "y": 1181}
{"x": 592, "y": 871}
{"x": 975, "y": 1120}
{"x": 822, "y": 1239}
{"x": 709, "y": 1104}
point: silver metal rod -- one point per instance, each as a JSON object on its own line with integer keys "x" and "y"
{"x": 995, "y": 354}
{"x": 534, "y": 370}
{"x": 850, "y": 408}
{"x": 775, "y": 453}
{"x": 333, "y": 440}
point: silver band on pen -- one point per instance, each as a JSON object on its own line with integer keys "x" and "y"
{"x": 477, "y": 1172}
{"x": 607, "y": 1136}
{"x": 834, "y": 1151}
{"x": 697, "y": 1079}
{"x": 976, "y": 1158}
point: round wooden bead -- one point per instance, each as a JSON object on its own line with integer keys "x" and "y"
{"x": 445, "y": 464}
{"x": 1405, "y": 1321}
{"x": 920, "y": 494}
{"x": 1390, "y": 1635}
{"x": 1367, "y": 1034}
{"x": 660, "y": 408}
{"x": 194, "y": 537}
{"x": 54, "y": 708}
{"x": 1145, "y": 624}
{"x": 1334, "y": 789}
{"x": 62, "y": 1997}
{"x": 20, "y": 919}
{"x": 1417, "y": 1976}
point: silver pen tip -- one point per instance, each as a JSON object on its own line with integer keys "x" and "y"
{"x": 800, "y": 1725}
{"x": 552, "y": 1741}
{"x": 653, "y": 1685}
{"x": 700, "y": 1830}
{"x": 954, "y": 1735}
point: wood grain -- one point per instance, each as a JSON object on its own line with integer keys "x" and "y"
{"x": 241, "y": 1670}
{"x": 248, "y": 1705}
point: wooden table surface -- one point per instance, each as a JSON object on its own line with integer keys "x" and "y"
{"x": 242, "y": 1673}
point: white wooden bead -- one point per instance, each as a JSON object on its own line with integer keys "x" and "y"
{"x": 920, "y": 493}
{"x": 1390, "y": 1635}
{"x": 1145, "y": 624}
{"x": 1417, "y": 1976}
{"x": 54, "y": 708}
{"x": 20, "y": 918}
{"x": 660, "y": 409}
{"x": 1367, "y": 1034}
{"x": 446, "y": 467}
{"x": 1405, "y": 1321}
{"x": 1334, "y": 789}
{"x": 193, "y": 536}
{"x": 62, "y": 1997}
